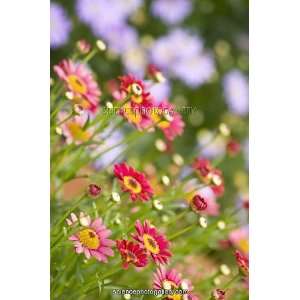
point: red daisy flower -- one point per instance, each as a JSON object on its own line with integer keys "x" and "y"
{"x": 133, "y": 182}
{"x": 80, "y": 82}
{"x": 132, "y": 253}
{"x": 168, "y": 120}
{"x": 203, "y": 166}
{"x": 154, "y": 242}
{"x": 136, "y": 111}
{"x": 242, "y": 262}
{"x": 210, "y": 175}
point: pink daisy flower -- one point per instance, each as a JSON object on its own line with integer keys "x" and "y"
{"x": 168, "y": 120}
{"x": 136, "y": 108}
{"x": 80, "y": 83}
{"x": 165, "y": 279}
{"x": 133, "y": 182}
{"x": 132, "y": 253}
{"x": 92, "y": 240}
{"x": 154, "y": 242}
{"x": 73, "y": 129}
{"x": 239, "y": 238}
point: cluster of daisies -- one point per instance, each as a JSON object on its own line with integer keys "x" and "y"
{"x": 131, "y": 97}
{"x": 133, "y": 102}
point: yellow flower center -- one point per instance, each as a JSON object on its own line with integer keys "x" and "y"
{"x": 131, "y": 114}
{"x": 77, "y": 132}
{"x": 163, "y": 124}
{"x": 170, "y": 285}
{"x": 159, "y": 118}
{"x": 244, "y": 245}
{"x": 132, "y": 184}
{"x": 88, "y": 238}
{"x": 130, "y": 257}
{"x": 76, "y": 84}
{"x": 150, "y": 244}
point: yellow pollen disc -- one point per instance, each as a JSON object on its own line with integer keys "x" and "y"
{"x": 132, "y": 115}
{"x": 77, "y": 132}
{"x": 167, "y": 284}
{"x": 89, "y": 238}
{"x": 150, "y": 244}
{"x": 244, "y": 245}
{"x": 76, "y": 83}
{"x": 132, "y": 184}
{"x": 163, "y": 124}
{"x": 137, "y": 99}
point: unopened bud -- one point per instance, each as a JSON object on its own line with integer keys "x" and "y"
{"x": 101, "y": 45}
{"x": 203, "y": 222}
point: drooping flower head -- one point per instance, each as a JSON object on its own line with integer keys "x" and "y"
{"x": 198, "y": 203}
{"x": 210, "y": 175}
{"x": 92, "y": 240}
{"x": 154, "y": 242}
{"x": 168, "y": 120}
{"x": 165, "y": 279}
{"x": 133, "y": 182}
{"x": 242, "y": 262}
{"x": 132, "y": 253}
{"x": 80, "y": 83}
{"x": 60, "y": 26}
{"x": 73, "y": 130}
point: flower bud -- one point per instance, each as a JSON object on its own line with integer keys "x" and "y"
{"x": 218, "y": 294}
{"x": 101, "y": 45}
{"x": 84, "y": 219}
{"x": 225, "y": 270}
{"x": 203, "y": 222}
{"x": 83, "y": 46}
{"x": 198, "y": 204}
{"x": 178, "y": 159}
{"x": 94, "y": 190}
{"x": 115, "y": 197}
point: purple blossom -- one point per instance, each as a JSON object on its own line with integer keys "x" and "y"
{"x": 60, "y": 26}
{"x": 135, "y": 61}
{"x": 181, "y": 55}
{"x": 236, "y": 92}
{"x": 171, "y": 11}
{"x": 195, "y": 70}
{"x": 160, "y": 91}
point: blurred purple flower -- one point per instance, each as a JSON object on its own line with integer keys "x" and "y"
{"x": 195, "y": 70}
{"x": 160, "y": 91}
{"x": 236, "y": 92}
{"x": 114, "y": 154}
{"x": 177, "y": 45}
{"x": 120, "y": 38}
{"x": 135, "y": 61}
{"x": 181, "y": 55}
{"x": 171, "y": 11}
{"x": 60, "y": 26}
